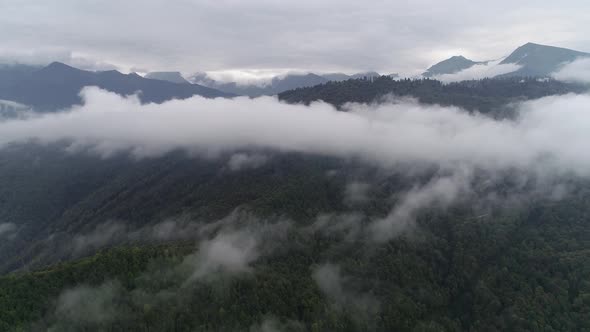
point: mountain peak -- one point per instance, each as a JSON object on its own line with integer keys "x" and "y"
{"x": 59, "y": 65}
{"x": 170, "y": 76}
{"x": 451, "y": 65}
{"x": 540, "y": 60}
{"x": 531, "y": 44}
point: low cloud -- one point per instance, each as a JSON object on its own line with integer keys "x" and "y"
{"x": 7, "y": 230}
{"x": 271, "y": 324}
{"x": 340, "y": 289}
{"x": 241, "y": 161}
{"x": 577, "y": 71}
{"x": 476, "y": 72}
{"x": 227, "y": 253}
{"x": 223, "y": 242}
{"x": 43, "y": 58}
{"x": 259, "y": 78}
{"x": 357, "y": 193}
{"x": 348, "y": 227}
{"x": 227, "y": 248}
{"x": 118, "y": 232}
{"x": 439, "y": 193}
{"x": 548, "y": 134}
{"x": 87, "y": 304}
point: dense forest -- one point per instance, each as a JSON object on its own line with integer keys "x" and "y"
{"x": 513, "y": 265}
{"x": 488, "y": 96}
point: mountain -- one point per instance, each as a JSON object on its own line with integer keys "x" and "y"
{"x": 10, "y": 73}
{"x": 278, "y": 84}
{"x": 535, "y": 60}
{"x": 294, "y": 81}
{"x": 540, "y": 60}
{"x": 368, "y": 74}
{"x": 170, "y": 76}
{"x": 338, "y": 77}
{"x": 485, "y": 96}
{"x": 450, "y": 66}
{"x": 58, "y": 85}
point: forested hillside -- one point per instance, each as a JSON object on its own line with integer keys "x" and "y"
{"x": 522, "y": 269}
{"x": 518, "y": 262}
{"x": 485, "y": 96}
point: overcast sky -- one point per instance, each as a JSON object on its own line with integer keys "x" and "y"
{"x": 272, "y": 35}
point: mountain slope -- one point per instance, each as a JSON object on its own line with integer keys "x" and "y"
{"x": 278, "y": 84}
{"x": 522, "y": 268}
{"x": 540, "y": 60}
{"x": 488, "y": 96}
{"x": 337, "y": 77}
{"x": 170, "y": 76}
{"x": 10, "y": 73}
{"x": 451, "y": 65}
{"x": 57, "y": 86}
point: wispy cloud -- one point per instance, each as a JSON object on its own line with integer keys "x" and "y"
{"x": 548, "y": 133}
{"x": 479, "y": 71}
{"x": 576, "y": 71}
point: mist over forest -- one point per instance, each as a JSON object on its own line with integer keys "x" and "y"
{"x": 254, "y": 167}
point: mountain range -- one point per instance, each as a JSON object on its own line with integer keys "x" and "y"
{"x": 277, "y": 84}
{"x": 57, "y": 86}
{"x": 451, "y": 65}
{"x": 534, "y": 60}
{"x": 170, "y": 76}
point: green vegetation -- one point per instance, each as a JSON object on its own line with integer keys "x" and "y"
{"x": 489, "y": 96}
{"x": 525, "y": 271}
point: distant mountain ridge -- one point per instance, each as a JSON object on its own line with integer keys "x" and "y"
{"x": 57, "y": 86}
{"x": 540, "y": 60}
{"x": 170, "y": 76}
{"x": 534, "y": 60}
{"x": 277, "y": 84}
{"x": 451, "y": 65}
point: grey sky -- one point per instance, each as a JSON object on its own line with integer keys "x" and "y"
{"x": 330, "y": 35}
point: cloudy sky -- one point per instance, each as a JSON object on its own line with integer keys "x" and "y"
{"x": 278, "y": 35}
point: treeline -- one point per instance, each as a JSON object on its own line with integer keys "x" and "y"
{"x": 485, "y": 96}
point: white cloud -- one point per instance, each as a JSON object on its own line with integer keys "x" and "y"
{"x": 240, "y": 161}
{"x": 332, "y": 35}
{"x": 261, "y": 77}
{"x": 438, "y": 193}
{"x": 340, "y": 289}
{"x": 45, "y": 57}
{"x": 576, "y": 71}
{"x": 271, "y": 324}
{"x": 227, "y": 253}
{"x": 479, "y": 71}
{"x": 7, "y": 229}
{"x": 357, "y": 192}
{"x": 549, "y": 132}
{"x": 86, "y": 304}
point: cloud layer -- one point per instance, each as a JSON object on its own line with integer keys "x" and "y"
{"x": 479, "y": 71}
{"x": 343, "y": 35}
{"x": 577, "y": 71}
{"x": 548, "y": 134}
